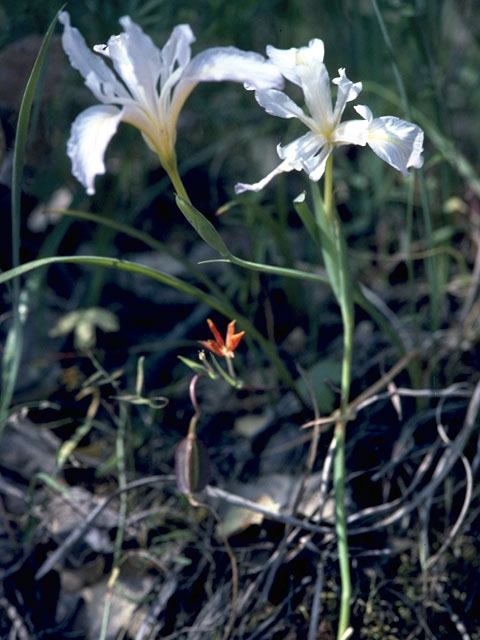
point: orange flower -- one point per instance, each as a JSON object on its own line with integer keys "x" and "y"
{"x": 219, "y": 346}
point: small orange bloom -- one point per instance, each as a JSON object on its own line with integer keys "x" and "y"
{"x": 219, "y": 346}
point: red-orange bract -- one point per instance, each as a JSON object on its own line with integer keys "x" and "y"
{"x": 219, "y": 346}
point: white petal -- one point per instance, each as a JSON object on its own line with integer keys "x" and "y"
{"x": 176, "y": 55}
{"x": 258, "y": 186}
{"x": 177, "y": 50}
{"x": 364, "y": 111}
{"x": 136, "y": 60}
{"x": 91, "y": 132}
{"x": 223, "y": 63}
{"x": 316, "y": 88}
{"x": 351, "y": 132}
{"x": 298, "y": 152}
{"x": 288, "y": 59}
{"x": 347, "y": 91}
{"x": 309, "y": 152}
{"x": 277, "y": 103}
{"x": 312, "y": 54}
{"x": 99, "y": 78}
{"x": 229, "y": 63}
{"x": 396, "y": 141}
{"x": 315, "y": 165}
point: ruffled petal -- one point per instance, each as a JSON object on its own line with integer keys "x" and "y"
{"x": 99, "y": 78}
{"x": 315, "y": 165}
{"x": 364, "y": 111}
{"x": 229, "y": 63}
{"x": 91, "y": 132}
{"x": 277, "y": 103}
{"x": 397, "y": 142}
{"x": 316, "y": 88}
{"x": 287, "y": 60}
{"x": 298, "y": 152}
{"x": 218, "y": 64}
{"x": 258, "y": 186}
{"x": 346, "y": 92}
{"x": 309, "y": 152}
{"x": 177, "y": 50}
{"x": 312, "y": 54}
{"x": 136, "y": 60}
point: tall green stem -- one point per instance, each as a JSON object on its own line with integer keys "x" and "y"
{"x": 338, "y": 263}
{"x": 339, "y": 475}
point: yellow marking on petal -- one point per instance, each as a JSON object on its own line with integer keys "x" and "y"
{"x": 298, "y": 57}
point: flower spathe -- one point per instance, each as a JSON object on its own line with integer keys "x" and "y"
{"x": 397, "y": 142}
{"x": 219, "y": 346}
{"x": 147, "y": 88}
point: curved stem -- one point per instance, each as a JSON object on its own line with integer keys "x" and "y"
{"x": 192, "y": 389}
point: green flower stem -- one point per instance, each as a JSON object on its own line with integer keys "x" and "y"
{"x": 231, "y": 371}
{"x": 171, "y": 168}
{"x": 318, "y": 232}
{"x": 328, "y": 191}
{"x": 339, "y": 471}
{"x": 342, "y": 286}
{"x": 229, "y": 375}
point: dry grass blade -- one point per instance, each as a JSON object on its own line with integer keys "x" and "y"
{"x": 231, "y": 498}
{"x": 451, "y": 454}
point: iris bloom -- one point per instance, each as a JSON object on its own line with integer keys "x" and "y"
{"x": 147, "y": 88}
{"x": 220, "y": 347}
{"x": 397, "y": 142}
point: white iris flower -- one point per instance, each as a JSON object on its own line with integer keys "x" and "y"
{"x": 397, "y": 142}
{"x": 147, "y": 88}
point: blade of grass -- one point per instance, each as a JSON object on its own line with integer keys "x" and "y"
{"x": 210, "y": 235}
{"x": 223, "y": 307}
{"x": 430, "y": 263}
{"x": 14, "y": 343}
{"x": 144, "y": 237}
{"x": 161, "y": 247}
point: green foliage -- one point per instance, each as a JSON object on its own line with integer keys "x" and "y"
{"x": 411, "y": 244}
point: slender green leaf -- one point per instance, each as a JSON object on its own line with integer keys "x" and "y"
{"x": 306, "y": 217}
{"x": 331, "y": 257}
{"x": 203, "y": 227}
{"x": 114, "y": 263}
{"x": 223, "y": 307}
{"x": 14, "y": 343}
{"x": 210, "y": 235}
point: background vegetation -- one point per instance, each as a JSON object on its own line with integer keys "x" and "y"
{"x": 76, "y": 425}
